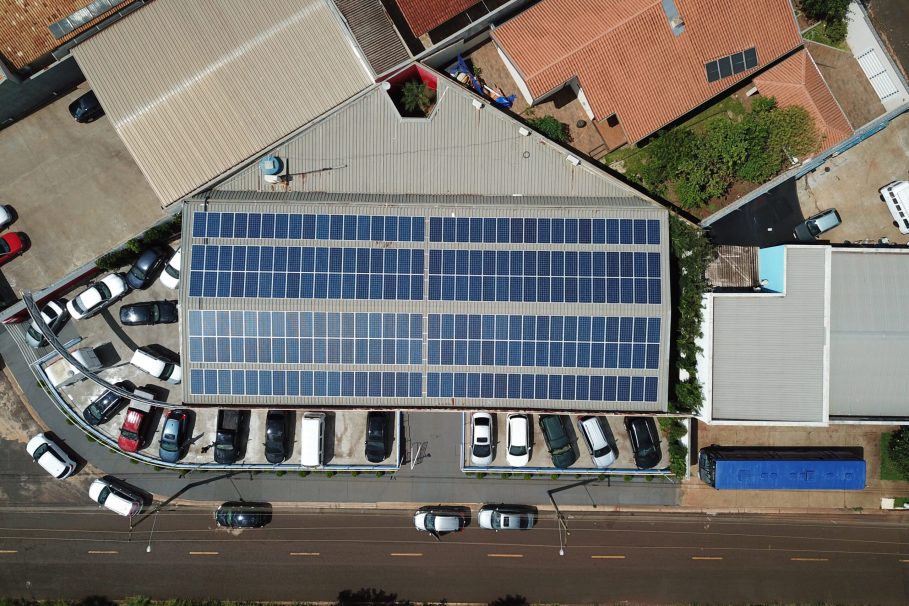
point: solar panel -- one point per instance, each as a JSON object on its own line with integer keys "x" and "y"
{"x": 306, "y": 383}
{"x": 518, "y": 386}
{"x": 292, "y": 226}
{"x": 546, "y": 276}
{"x": 751, "y": 60}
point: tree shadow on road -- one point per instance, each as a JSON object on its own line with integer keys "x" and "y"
{"x": 369, "y": 595}
{"x": 510, "y": 600}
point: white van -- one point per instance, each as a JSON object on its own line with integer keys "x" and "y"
{"x": 114, "y": 498}
{"x": 600, "y": 450}
{"x": 896, "y": 196}
{"x": 312, "y": 435}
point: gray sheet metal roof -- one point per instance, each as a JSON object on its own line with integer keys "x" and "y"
{"x": 416, "y": 206}
{"x": 194, "y": 88}
{"x": 365, "y": 146}
{"x": 869, "y": 333}
{"x": 769, "y": 350}
{"x": 374, "y": 32}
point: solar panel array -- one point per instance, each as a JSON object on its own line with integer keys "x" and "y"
{"x": 374, "y": 323}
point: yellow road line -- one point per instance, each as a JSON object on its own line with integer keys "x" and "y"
{"x": 607, "y": 557}
{"x": 304, "y": 553}
{"x": 809, "y": 559}
{"x": 203, "y": 553}
{"x": 504, "y": 555}
{"x": 706, "y": 557}
{"x": 103, "y": 552}
{"x": 905, "y": 561}
{"x": 407, "y": 555}
{"x": 9, "y": 551}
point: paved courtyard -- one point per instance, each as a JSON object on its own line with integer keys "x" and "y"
{"x": 75, "y": 189}
{"x": 850, "y": 182}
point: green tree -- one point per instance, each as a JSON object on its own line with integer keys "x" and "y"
{"x": 552, "y": 128}
{"x": 899, "y": 449}
{"x": 826, "y": 10}
{"x": 416, "y": 97}
{"x": 793, "y": 132}
{"x": 836, "y": 30}
{"x": 666, "y": 156}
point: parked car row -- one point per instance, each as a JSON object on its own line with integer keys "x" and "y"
{"x": 441, "y": 519}
{"x": 603, "y": 452}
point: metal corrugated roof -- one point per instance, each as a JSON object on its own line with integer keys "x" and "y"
{"x": 420, "y": 206}
{"x": 769, "y": 350}
{"x": 628, "y": 60}
{"x": 375, "y": 34}
{"x": 869, "y": 333}
{"x": 194, "y": 88}
{"x": 365, "y": 146}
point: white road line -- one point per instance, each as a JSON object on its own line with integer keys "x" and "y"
{"x": 504, "y": 555}
{"x": 810, "y": 559}
{"x": 304, "y": 553}
{"x": 103, "y": 552}
{"x": 8, "y": 551}
{"x": 203, "y": 553}
{"x": 706, "y": 557}
{"x": 607, "y": 557}
{"x": 407, "y": 555}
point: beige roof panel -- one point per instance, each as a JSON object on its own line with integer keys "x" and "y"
{"x": 193, "y": 88}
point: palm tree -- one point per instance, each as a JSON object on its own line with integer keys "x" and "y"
{"x": 416, "y": 96}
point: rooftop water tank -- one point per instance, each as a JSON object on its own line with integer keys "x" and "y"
{"x": 270, "y": 165}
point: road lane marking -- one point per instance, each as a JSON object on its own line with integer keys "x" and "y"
{"x": 706, "y": 557}
{"x": 103, "y": 552}
{"x": 304, "y": 553}
{"x": 905, "y": 561}
{"x": 810, "y": 559}
{"x": 9, "y": 551}
{"x": 607, "y": 557}
{"x": 504, "y": 555}
{"x": 407, "y": 555}
{"x": 203, "y": 553}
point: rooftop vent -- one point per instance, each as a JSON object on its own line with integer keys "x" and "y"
{"x": 676, "y": 23}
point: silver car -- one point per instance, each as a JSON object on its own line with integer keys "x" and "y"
{"x": 506, "y": 517}
{"x": 809, "y": 229}
{"x": 54, "y": 315}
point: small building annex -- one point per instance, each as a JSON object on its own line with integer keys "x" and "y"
{"x": 824, "y": 341}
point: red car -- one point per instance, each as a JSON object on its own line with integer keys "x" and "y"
{"x": 132, "y": 432}
{"x": 11, "y": 245}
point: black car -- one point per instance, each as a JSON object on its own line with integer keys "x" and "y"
{"x": 645, "y": 441}
{"x": 377, "y": 436}
{"x": 105, "y": 406}
{"x": 558, "y": 443}
{"x": 150, "y": 312}
{"x": 146, "y": 267}
{"x": 86, "y": 108}
{"x": 277, "y": 436}
{"x": 240, "y": 514}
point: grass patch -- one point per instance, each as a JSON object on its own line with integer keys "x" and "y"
{"x": 725, "y": 106}
{"x": 818, "y": 34}
{"x": 900, "y": 502}
{"x": 889, "y": 470}
{"x": 621, "y": 153}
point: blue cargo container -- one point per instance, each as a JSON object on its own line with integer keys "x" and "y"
{"x": 781, "y": 469}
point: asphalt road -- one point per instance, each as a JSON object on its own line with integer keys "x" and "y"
{"x": 77, "y": 552}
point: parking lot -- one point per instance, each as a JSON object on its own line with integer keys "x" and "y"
{"x": 75, "y": 189}
{"x": 614, "y": 429}
{"x": 850, "y": 183}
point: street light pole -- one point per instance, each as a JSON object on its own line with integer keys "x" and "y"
{"x": 150, "y": 534}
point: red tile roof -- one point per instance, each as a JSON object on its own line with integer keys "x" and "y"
{"x": 797, "y": 81}
{"x": 424, "y": 15}
{"x": 628, "y": 60}
{"x": 24, "y": 33}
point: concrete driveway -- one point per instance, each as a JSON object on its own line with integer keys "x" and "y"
{"x": 850, "y": 183}
{"x": 75, "y": 188}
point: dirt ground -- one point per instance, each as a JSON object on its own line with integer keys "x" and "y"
{"x": 890, "y": 18}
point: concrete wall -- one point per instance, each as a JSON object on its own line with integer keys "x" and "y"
{"x": 20, "y": 98}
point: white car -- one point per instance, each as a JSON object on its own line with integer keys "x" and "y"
{"x": 505, "y": 517}
{"x": 114, "y": 498}
{"x": 518, "y": 440}
{"x": 97, "y": 296}
{"x": 6, "y": 216}
{"x": 601, "y": 451}
{"x": 170, "y": 277}
{"x": 50, "y": 456}
{"x": 481, "y": 443}
{"x": 438, "y": 520}
{"x": 54, "y": 315}
{"x": 156, "y": 366}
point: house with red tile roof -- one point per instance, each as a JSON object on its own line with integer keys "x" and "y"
{"x": 425, "y": 15}
{"x": 639, "y": 65}
{"x": 797, "y": 81}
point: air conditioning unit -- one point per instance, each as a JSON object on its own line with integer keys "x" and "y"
{"x": 573, "y": 160}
